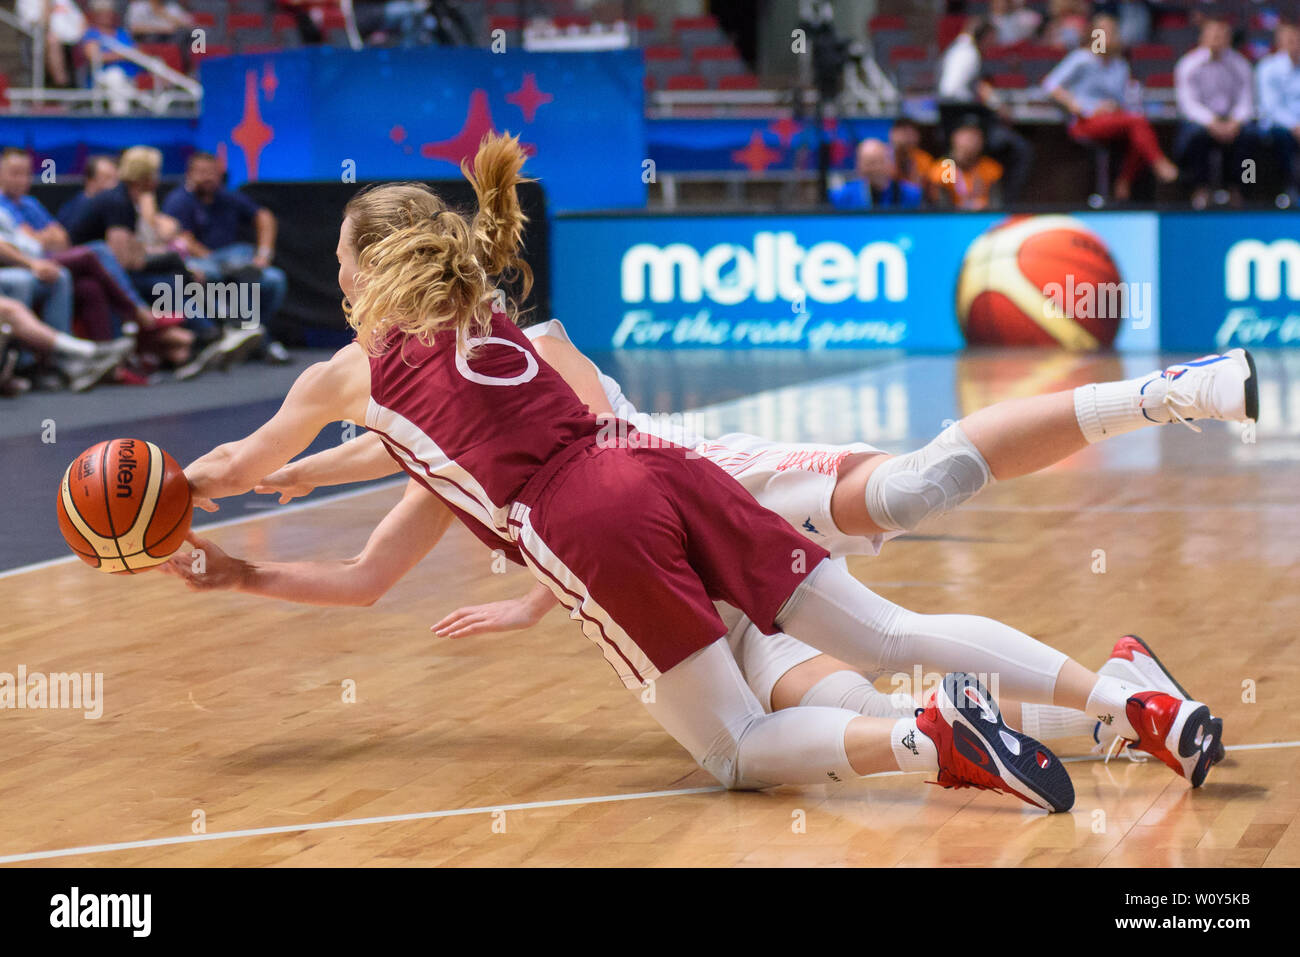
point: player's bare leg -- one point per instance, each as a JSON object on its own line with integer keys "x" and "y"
{"x": 877, "y": 493}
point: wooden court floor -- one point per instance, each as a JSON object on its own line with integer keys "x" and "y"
{"x": 226, "y": 737}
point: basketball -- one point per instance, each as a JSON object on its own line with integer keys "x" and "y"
{"x": 1040, "y": 281}
{"x": 124, "y": 506}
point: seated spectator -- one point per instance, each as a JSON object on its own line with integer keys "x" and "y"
{"x": 1093, "y": 88}
{"x": 111, "y": 72}
{"x": 1067, "y": 23}
{"x": 877, "y": 185}
{"x": 65, "y": 25}
{"x": 911, "y": 162}
{"x": 963, "y": 88}
{"x": 100, "y": 174}
{"x": 103, "y": 297}
{"x": 158, "y": 21}
{"x": 966, "y": 178}
{"x": 1013, "y": 21}
{"x": 82, "y": 363}
{"x": 1278, "y": 80}
{"x": 1134, "y": 17}
{"x": 1216, "y": 102}
{"x": 212, "y": 219}
{"x": 127, "y": 218}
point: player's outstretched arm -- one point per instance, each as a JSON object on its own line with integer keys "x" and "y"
{"x": 509, "y": 615}
{"x": 359, "y": 460}
{"x": 397, "y": 544}
{"x": 325, "y": 392}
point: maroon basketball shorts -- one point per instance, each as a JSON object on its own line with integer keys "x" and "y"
{"x": 638, "y": 543}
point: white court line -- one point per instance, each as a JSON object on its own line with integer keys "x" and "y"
{"x": 458, "y": 812}
{"x": 270, "y": 510}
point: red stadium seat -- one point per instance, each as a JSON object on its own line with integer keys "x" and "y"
{"x": 1161, "y": 81}
{"x": 694, "y": 23}
{"x": 204, "y": 19}
{"x": 505, "y": 23}
{"x": 283, "y": 21}
{"x": 886, "y": 23}
{"x": 739, "y": 81}
{"x": 244, "y": 21}
{"x": 1009, "y": 81}
{"x": 572, "y": 21}
{"x": 1152, "y": 51}
{"x": 650, "y": 83}
{"x": 663, "y": 52}
{"x": 727, "y": 52}
{"x": 645, "y": 22}
{"x": 898, "y": 54}
{"x": 687, "y": 81}
{"x": 169, "y": 53}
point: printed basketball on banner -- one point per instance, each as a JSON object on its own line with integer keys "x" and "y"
{"x": 1041, "y": 281}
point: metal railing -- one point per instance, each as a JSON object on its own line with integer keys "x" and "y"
{"x": 174, "y": 89}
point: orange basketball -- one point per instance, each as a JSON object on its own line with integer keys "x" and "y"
{"x": 124, "y": 506}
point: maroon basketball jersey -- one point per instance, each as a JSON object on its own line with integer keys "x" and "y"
{"x": 474, "y": 430}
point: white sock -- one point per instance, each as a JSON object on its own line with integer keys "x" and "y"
{"x": 913, "y": 749}
{"x": 1106, "y": 409}
{"x": 1047, "y": 721}
{"x": 66, "y": 345}
{"x": 1108, "y": 704}
{"x": 850, "y": 690}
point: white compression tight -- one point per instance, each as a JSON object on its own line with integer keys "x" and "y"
{"x": 705, "y": 703}
{"x": 837, "y": 614}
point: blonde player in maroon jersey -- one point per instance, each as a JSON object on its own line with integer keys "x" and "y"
{"x": 818, "y": 489}
{"x": 638, "y": 541}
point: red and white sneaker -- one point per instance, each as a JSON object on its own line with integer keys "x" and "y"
{"x": 1179, "y": 732}
{"x": 1221, "y": 387}
{"x": 1133, "y": 661}
{"x": 978, "y": 750}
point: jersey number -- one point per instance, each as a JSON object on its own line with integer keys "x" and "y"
{"x": 529, "y": 373}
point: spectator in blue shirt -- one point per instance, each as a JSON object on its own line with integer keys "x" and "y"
{"x": 112, "y": 73}
{"x": 213, "y": 221}
{"x": 878, "y": 185}
{"x": 1278, "y": 81}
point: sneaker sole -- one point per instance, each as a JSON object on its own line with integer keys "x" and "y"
{"x": 1030, "y": 769}
{"x": 1252, "y": 388}
{"x": 1219, "y": 753}
{"x": 1198, "y": 724}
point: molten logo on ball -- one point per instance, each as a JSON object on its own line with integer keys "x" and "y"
{"x": 124, "y": 506}
{"x": 1040, "y": 281}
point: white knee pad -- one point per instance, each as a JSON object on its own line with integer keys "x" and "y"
{"x": 852, "y": 691}
{"x": 907, "y": 489}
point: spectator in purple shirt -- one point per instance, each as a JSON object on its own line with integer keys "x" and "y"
{"x": 213, "y": 220}
{"x": 1216, "y": 103}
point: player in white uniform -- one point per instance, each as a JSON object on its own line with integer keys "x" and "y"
{"x": 851, "y": 499}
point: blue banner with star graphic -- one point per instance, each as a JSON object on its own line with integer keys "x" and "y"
{"x": 323, "y": 113}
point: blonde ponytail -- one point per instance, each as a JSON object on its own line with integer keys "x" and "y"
{"x": 423, "y": 268}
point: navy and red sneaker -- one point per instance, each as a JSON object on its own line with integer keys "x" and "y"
{"x": 1179, "y": 732}
{"x": 977, "y": 749}
{"x": 1132, "y": 660}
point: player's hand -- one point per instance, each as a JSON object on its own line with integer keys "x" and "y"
{"x": 45, "y": 270}
{"x": 204, "y": 566}
{"x": 509, "y": 615}
{"x": 281, "y": 482}
{"x": 201, "y": 501}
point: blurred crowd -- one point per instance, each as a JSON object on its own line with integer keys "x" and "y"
{"x": 1238, "y": 121}
{"x": 120, "y": 285}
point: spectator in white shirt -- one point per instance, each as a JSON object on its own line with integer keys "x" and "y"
{"x": 964, "y": 92}
{"x": 64, "y": 26}
{"x": 1013, "y": 21}
{"x": 1278, "y": 81}
{"x": 156, "y": 21}
{"x": 1216, "y": 102}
